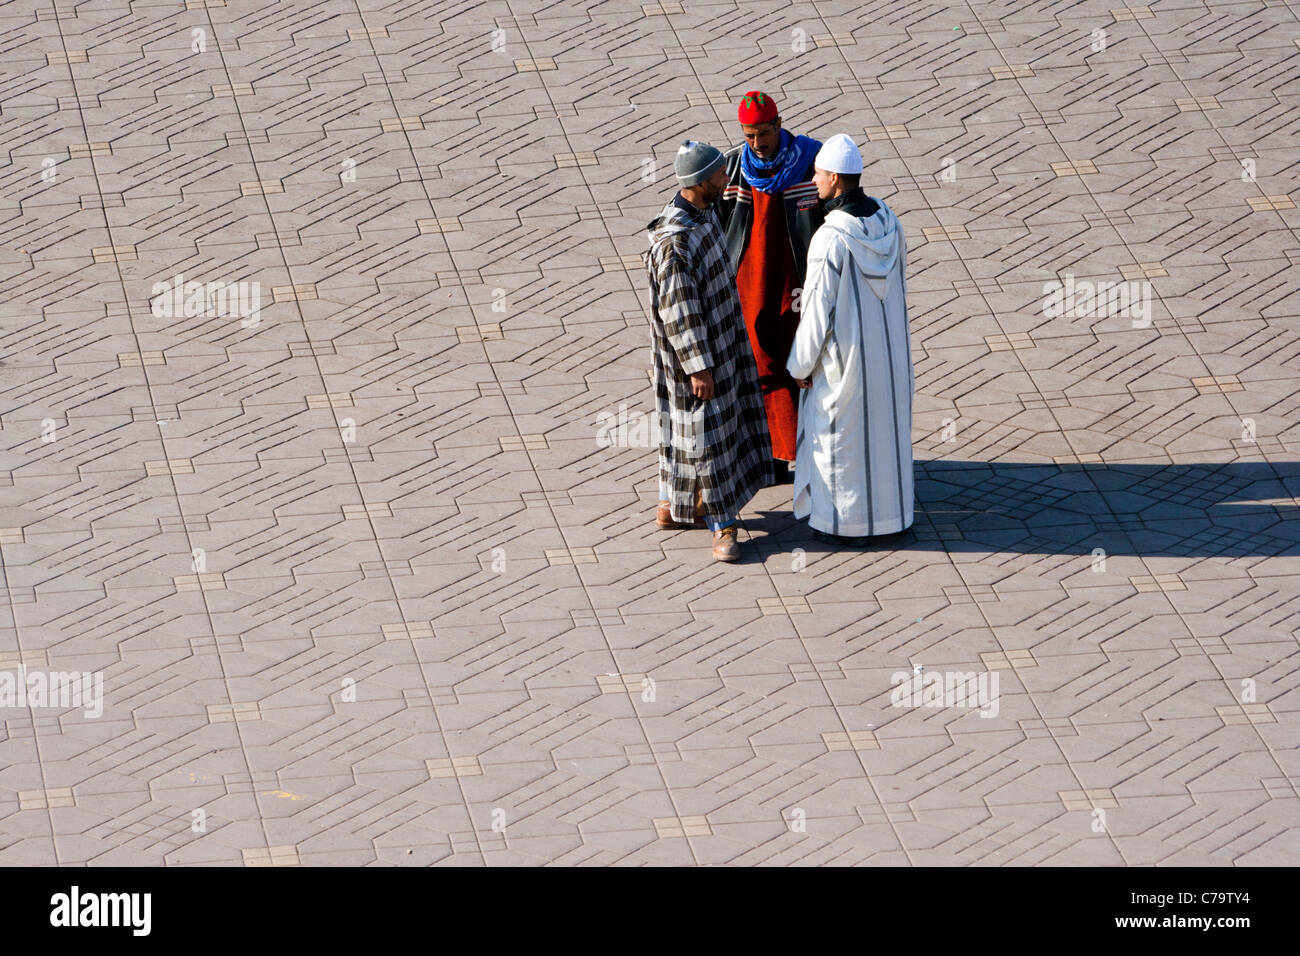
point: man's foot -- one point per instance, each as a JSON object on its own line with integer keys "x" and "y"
{"x": 726, "y": 546}
{"x": 664, "y": 517}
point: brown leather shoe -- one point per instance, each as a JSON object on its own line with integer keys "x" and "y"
{"x": 664, "y": 517}
{"x": 726, "y": 546}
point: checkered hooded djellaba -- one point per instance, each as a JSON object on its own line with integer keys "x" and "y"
{"x": 722, "y": 444}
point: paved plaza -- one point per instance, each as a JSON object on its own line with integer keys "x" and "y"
{"x": 327, "y": 478}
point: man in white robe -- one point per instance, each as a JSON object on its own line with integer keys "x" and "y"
{"x": 852, "y": 356}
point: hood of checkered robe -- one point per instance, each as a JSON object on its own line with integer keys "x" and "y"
{"x": 673, "y": 218}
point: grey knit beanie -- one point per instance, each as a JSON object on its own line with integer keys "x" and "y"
{"x": 696, "y": 162}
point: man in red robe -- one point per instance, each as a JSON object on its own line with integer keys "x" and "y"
{"x": 769, "y": 212}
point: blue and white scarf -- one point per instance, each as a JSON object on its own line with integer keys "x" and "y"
{"x": 783, "y": 170}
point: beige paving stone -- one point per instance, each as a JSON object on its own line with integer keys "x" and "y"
{"x": 141, "y": 359}
{"x": 844, "y": 38}
{"x": 84, "y": 150}
{"x": 1158, "y": 582}
{"x": 670, "y": 827}
{"x": 380, "y": 509}
{"x": 171, "y": 466}
{"x": 1122, "y": 14}
{"x": 521, "y": 442}
{"x": 620, "y": 683}
{"x": 620, "y": 263}
{"x": 438, "y": 226}
{"x": 945, "y": 232}
{"x": 261, "y": 187}
{"x": 207, "y": 581}
{"x": 489, "y": 332}
{"x": 46, "y": 799}
{"x": 585, "y": 158}
{"x": 454, "y": 767}
{"x": 331, "y": 400}
{"x": 234, "y": 713}
{"x": 712, "y": 98}
{"x": 1143, "y": 270}
{"x": 271, "y": 856}
{"x": 402, "y": 124}
{"x": 854, "y": 740}
{"x": 892, "y": 131}
{"x": 1004, "y": 660}
{"x": 1096, "y": 799}
{"x": 29, "y": 659}
{"x": 301, "y": 292}
{"x": 1246, "y": 714}
{"x": 571, "y": 555}
{"x": 1267, "y": 203}
{"x": 114, "y": 253}
{"x": 407, "y": 630}
{"x": 1010, "y": 342}
{"x": 1074, "y": 167}
{"x": 1216, "y": 384}
{"x": 789, "y": 605}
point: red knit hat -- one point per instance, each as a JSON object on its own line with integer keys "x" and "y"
{"x": 756, "y": 108}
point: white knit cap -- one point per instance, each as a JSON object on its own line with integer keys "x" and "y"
{"x": 839, "y": 154}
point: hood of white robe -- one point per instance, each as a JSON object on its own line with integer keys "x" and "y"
{"x": 874, "y": 241}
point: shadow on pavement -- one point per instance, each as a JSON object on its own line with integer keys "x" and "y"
{"x": 1240, "y": 509}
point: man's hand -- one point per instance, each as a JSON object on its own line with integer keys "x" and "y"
{"x": 702, "y": 385}
{"x": 803, "y": 382}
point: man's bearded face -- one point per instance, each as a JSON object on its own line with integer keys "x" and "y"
{"x": 715, "y": 185}
{"x": 764, "y": 139}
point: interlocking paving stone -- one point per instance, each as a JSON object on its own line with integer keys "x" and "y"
{"x": 370, "y": 577}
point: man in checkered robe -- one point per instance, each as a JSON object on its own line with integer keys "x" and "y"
{"x": 714, "y": 449}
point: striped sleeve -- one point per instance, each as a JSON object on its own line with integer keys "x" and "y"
{"x": 681, "y": 311}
